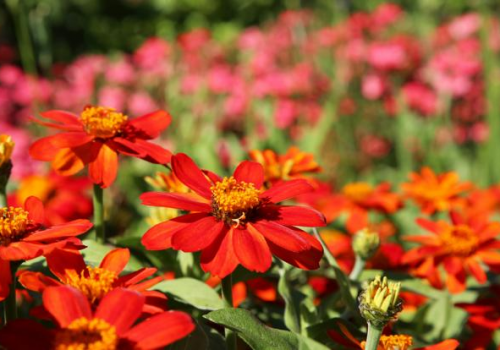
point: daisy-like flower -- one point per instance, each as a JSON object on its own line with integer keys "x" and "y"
{"x": 24, "y": 236}
{"x": 112, "y": 326}
{"x": 234, "y": 221}
{"x": 461, "y": 247}
{"x": 96, "y": 137}
{"x": 387, "y": 342}
{"x": 95, "y": 282}
{"x": 434, "y": 192}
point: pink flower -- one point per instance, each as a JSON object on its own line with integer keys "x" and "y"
{"x": 464, "y": 26}
{"x": 152, "y": 53}
{"x": 140, "y": 103}
{"x": 114, "y": 97}
{"x": 420, "y": 98}
{"x": 120, "y": 72}
{"x": 372, "y": 86}
{"x": 387, "y": 56}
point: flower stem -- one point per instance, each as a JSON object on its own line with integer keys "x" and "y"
{"x": 328, "y": 255}
{"x": 359, "y": 266}
{"x": 3, "y": 198}
{"x": 373, "y": 337}
{"x": 10, "y": 303}
{"x": 227, "y": 295}
{"x": 99, "y": 214}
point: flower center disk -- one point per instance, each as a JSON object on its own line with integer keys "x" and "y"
{"x": 84, "y": 334}
{"x": 13, "y": 224}
{"x": 460, "y": 240}
{"x": 233, "y": 201}
{"x": 102, "y": 122}
{"x": 94, "y": 282}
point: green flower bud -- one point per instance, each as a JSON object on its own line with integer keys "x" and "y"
{"x": 365, "y": 243}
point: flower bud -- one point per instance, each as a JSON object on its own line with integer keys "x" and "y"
{"x": 365, "y": 243}
{"x": 379, "y": 303}
{"x": 6, "y": 148}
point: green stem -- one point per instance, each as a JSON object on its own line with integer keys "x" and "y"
{"x": 373, "y": 337}
{"x": 227, "y": 295}
{"x": 3, "y": 198}
{"x": 99, "y": 214}
{"x": 358, "y": 268}
{"x": 329, "y": 257}
{"x": 10, "y": 304}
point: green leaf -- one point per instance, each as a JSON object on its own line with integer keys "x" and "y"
{"x": 259, "y": 336}
{"x": 192, "y": 292}
{"x": 293, "y": 299}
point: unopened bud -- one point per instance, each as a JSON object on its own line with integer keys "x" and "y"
{"x": 6, "y": 148}
{"x": 365, "y": 243}
{"x": 379, "y": 303}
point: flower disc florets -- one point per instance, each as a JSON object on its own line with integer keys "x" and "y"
{"x": 94, "y": 282}
{"x": 379, "y": 303}
{"x": 234, "y": 201}
{"x": 102, "y": 122}
{"x": 85, "y": 334}
{"x": 13, "y": 224}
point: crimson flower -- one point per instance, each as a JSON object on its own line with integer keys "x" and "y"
{"x": 96, "y": 138}
{"x": 110, "y": 327}
{"x": 233, "y": 221}
{"x": 24, "y": 236}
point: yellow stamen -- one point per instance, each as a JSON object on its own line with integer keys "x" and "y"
{"x": 459, "y": 240}
{"x": 232, "y": 200}
{"x": 84, "y": 334}
{"x": 13, "y": 224}
{"x": 393, "y": 342}
{"x": 94, "y": 283}
{"x": 357, "y": 191}
{"x": 102, "y": 122}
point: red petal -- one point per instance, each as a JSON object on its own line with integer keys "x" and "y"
{"x": 430, "y": 226}
{"x": 116, "y": 260}
{"x": 21, "y": 251}
{"x": 449, "y": 344}
{"x": 62, "y": 260}
{"x": 34, "y": 207}
{"x": 154, "y": 153}
{"x": 159, "y": 236}
{"x": 198, "y": 235}
{"x": 286, "y": 190}
{"x": 120, "y": 308}
{"x": 71, "y": 139}
{"x": 455, "y": 274}
{"x": 71, "y": 229}
{"x": 135, "y": 277}
{"x": 66, "y": 162}
{"x": 219, "y": 258}
{"x": 26, "y": 335}
{"x": 190, "y": 175}
{"x": 282, "y": 236}
{"x": 250, "y": 172}
{"x": 104, "y": 168}
{"x": 36, "y": 281}
{"x": 5, "y": 278}
{"x": 161, "y": 330}
{"x": 251, "y": 249}
{"x": 43, "y": 149}
{"x": 126, "y": 147}
{"x": 475, "y": 269}
{"x": 62, "y": 117}
{"x": 293, "y": 215}
{"x": 183, "y": 201}
{"x": 152, "y": 124}
{"x": 66, "y": 304}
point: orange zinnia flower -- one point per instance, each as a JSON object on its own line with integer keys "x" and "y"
{"x": 95, "y": 282}
{"x": 24, "y": 236}
{"x": 387, "y": 342}
{"x": 96, "y": 138}
{"x": 112, "y": 326}
{"x": 436, "y": 192}
{"x": 234, "y": 220}
{"x": 292, "y": 165}
{"x": 460, "y": 247}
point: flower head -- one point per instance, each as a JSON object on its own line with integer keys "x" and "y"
{"x": 96, "y": 137}
{"x": 234, "y": 220}
{"x": 379, "y": 303}
{"x": 365, "y": 243}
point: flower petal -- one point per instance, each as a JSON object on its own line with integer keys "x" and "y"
{"x": 185, "y": 201}
{"x": 250, "y": 172}
{"x": 292, "y": 215}
{"x": 34, "y": 207}
{"x": 161, "y": 330}
{"x": 71, "y": 229}
{"x": 219, "y": 258}
{"x": 286, "y": 190}
{"x": 159, "y": 236}
{"x": 151, "y": 125}
{"x": 62, "y": 117}
{"x": 135, "y": 277}
{"x": 475, "y": 269}
{"x": 190, "y": 175}
{"x": 20, "y": 251}
{"x": 116, "y": 260}
{"x": 13, "y": 336}
{"x": 448, "y": 344}
{"x": 104, "y": 168}
{"x": 282, "y": 236}
{"x": 154, "y": 153}
{"x": 36, "y": 281}
{"x": 198, "y": 235}
{"x": 251, "y": 249}
{"x": 5, "y": 279}
{"x": 120, "y": 308}
{"x": 66, "y": 304}
{"x": 43, "y": 149}
{"x": 127, "y": 147}
{"x": 60, "y": 261}
{"x": 71, "y": 139}
{"x": 66, "y": 162}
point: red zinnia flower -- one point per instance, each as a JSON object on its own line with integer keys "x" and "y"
{"x": 24, "y": 236}
{"x": 96, "y": 138}
{"x": 461, "y": 246}
{"x": 95, "y": 282}
{"x": 110, "y": 327}
{"x": 234, "y": 221}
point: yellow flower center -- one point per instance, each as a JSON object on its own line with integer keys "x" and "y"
{"x": 13, "y": 224}
{"x": 94, "y": 282}
{"x": 233, "y": 201}
{"x": 357, "y": 191}
{"x": 459, "y": 240}
{"x": 84, "y": 334}
{"x": 393, "y": 342}
{"x": 102, "y": 122}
